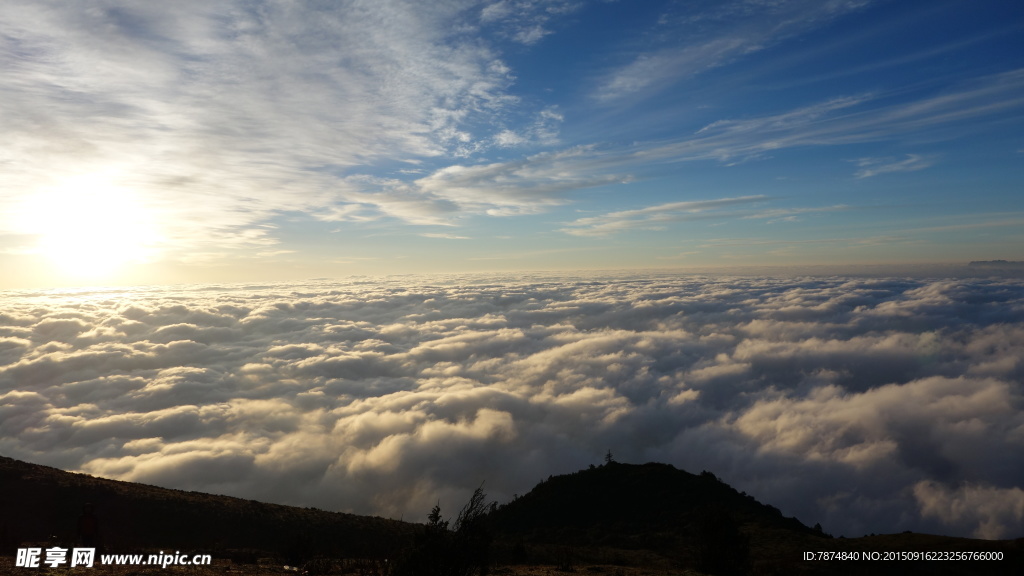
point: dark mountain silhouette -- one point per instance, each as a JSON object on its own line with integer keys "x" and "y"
{"x": 39, "y": 502}
{"x": 650, "y": 515}
{"x": 629, "y": 499}
{"x": 615, "y": 511}
{"x": 657, "y": 515}
{"x": 997, "y": 264}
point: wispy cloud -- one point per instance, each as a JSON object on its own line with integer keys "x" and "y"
{"x": 525, "y": 21}
{"x": 524, "y": 186}
{"x": 875, "y": 166}
{"x": 850, "y": 120}
{"x": 219, "y": 118}
{"x": 793, "y": 214}
{"x": 443, "y": 236}
{"x": 543, "y": 130}
{"x": 715, "y": 36}
{"x": 529, "y": 185}
{"x": 538, "y": 182}
{"x": 656, "y": 217}
{"x": 239, "y": 110}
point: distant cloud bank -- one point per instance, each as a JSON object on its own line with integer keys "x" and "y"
{"x": 868, "y": 405}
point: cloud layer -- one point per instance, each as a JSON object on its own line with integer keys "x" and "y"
{"x": 869, "y": 405}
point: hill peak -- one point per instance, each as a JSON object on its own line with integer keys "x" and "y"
{"x": 631, "y": 498}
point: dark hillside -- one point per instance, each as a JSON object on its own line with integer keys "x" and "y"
{"x": 39, "y": 502}
{"x": 631, "y": 500}
{"x": 646, "y": 512}
{"x": 651, "y": 517}
{"x": 655, "y": 514}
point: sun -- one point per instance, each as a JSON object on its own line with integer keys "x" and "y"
{"x": 90, "y": 228}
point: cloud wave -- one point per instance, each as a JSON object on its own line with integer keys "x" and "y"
{"x": 869, "y": 405}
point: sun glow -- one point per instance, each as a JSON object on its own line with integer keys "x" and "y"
{"x": 90, "y": 228}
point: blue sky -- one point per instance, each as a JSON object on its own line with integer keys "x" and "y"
{"x": 188, "y": 142}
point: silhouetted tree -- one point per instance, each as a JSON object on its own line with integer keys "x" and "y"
{"x": 435, "y": 523}
{"x": 458, "y": 549}
{"x": 473, "y": 536}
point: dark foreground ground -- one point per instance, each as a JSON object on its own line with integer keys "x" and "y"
{"x": 221, "y": 567}
{"x": 616, "y": 519}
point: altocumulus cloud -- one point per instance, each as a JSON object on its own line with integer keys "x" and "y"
{"x": 869, "y": 405}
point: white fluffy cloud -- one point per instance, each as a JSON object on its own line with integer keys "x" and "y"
{"x": 869, "y": 405}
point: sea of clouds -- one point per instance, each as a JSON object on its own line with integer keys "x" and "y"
{"x": 865, "y": 404}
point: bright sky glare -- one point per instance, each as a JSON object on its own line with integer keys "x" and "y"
{"x": 195, "y": 141}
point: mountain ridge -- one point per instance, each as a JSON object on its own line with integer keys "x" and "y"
{"x": 41, "y": 502}
{"x": 648, "y": 496}
{"x": 649, "y": 514}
